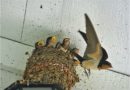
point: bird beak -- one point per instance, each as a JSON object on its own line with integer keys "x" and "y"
{"x": 54, "y": 40}
{"x": 40, "y": 43}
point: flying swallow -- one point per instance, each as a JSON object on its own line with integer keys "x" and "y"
{"x": 64, "y": 46}
{"x": 50, "y": 41}
{"x": 95, "y": 55}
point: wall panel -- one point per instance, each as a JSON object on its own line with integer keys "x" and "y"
{"x": 12, "y": 18}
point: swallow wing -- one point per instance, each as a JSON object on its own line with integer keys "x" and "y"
{"x": 93, "y": 44}
{"x": 105, "y": 55}
{"x": 103, "y": 64}
{"x": 92, "y": 39}
{"x": 83, "y": 35}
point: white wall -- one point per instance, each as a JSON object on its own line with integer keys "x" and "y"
{"x": 13, "y": 61}
{"x": 64, "y": 18}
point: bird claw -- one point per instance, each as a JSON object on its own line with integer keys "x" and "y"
{"x": 87, "y": 72}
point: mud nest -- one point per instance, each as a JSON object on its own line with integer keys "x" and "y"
{"x": 51, "y": 66}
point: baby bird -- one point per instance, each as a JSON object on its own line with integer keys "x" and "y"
{"x": 73, "y": 53}
{"x": 51, "y": 41}
{"x": 38, "y": 45}
{"x": 64, "y": 46}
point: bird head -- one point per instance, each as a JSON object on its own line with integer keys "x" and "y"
{"x": 53, "y": 39}
{"x": 75, "y": 51}
{"x": 66, "y": 42}
{"x": 105, "y": 65}
{"x": 39, "y": 44}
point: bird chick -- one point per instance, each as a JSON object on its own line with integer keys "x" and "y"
{"x": 64, "y": 46}
{"x": 38, "y": 45}
{"x": 50, "y": 41}
{"x": 73, "y": 53}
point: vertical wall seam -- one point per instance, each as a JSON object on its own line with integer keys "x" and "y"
{"x": 24, "y": 20}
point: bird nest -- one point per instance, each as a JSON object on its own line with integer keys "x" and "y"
{"x": 51, "y": 66}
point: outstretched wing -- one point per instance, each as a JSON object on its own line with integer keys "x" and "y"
{"x": 92, "y": 39}
{"x": 93, "y": 44}
{"x": 83, "y": 35}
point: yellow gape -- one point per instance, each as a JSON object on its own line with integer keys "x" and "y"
{"x": 53, "y": 39}
{"x": 40, "y": 43}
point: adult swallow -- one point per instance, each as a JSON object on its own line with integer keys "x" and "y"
{"x": 64, "y": 46}
{"x": 50, "y": 41}
{"x": 95, "y": 55}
